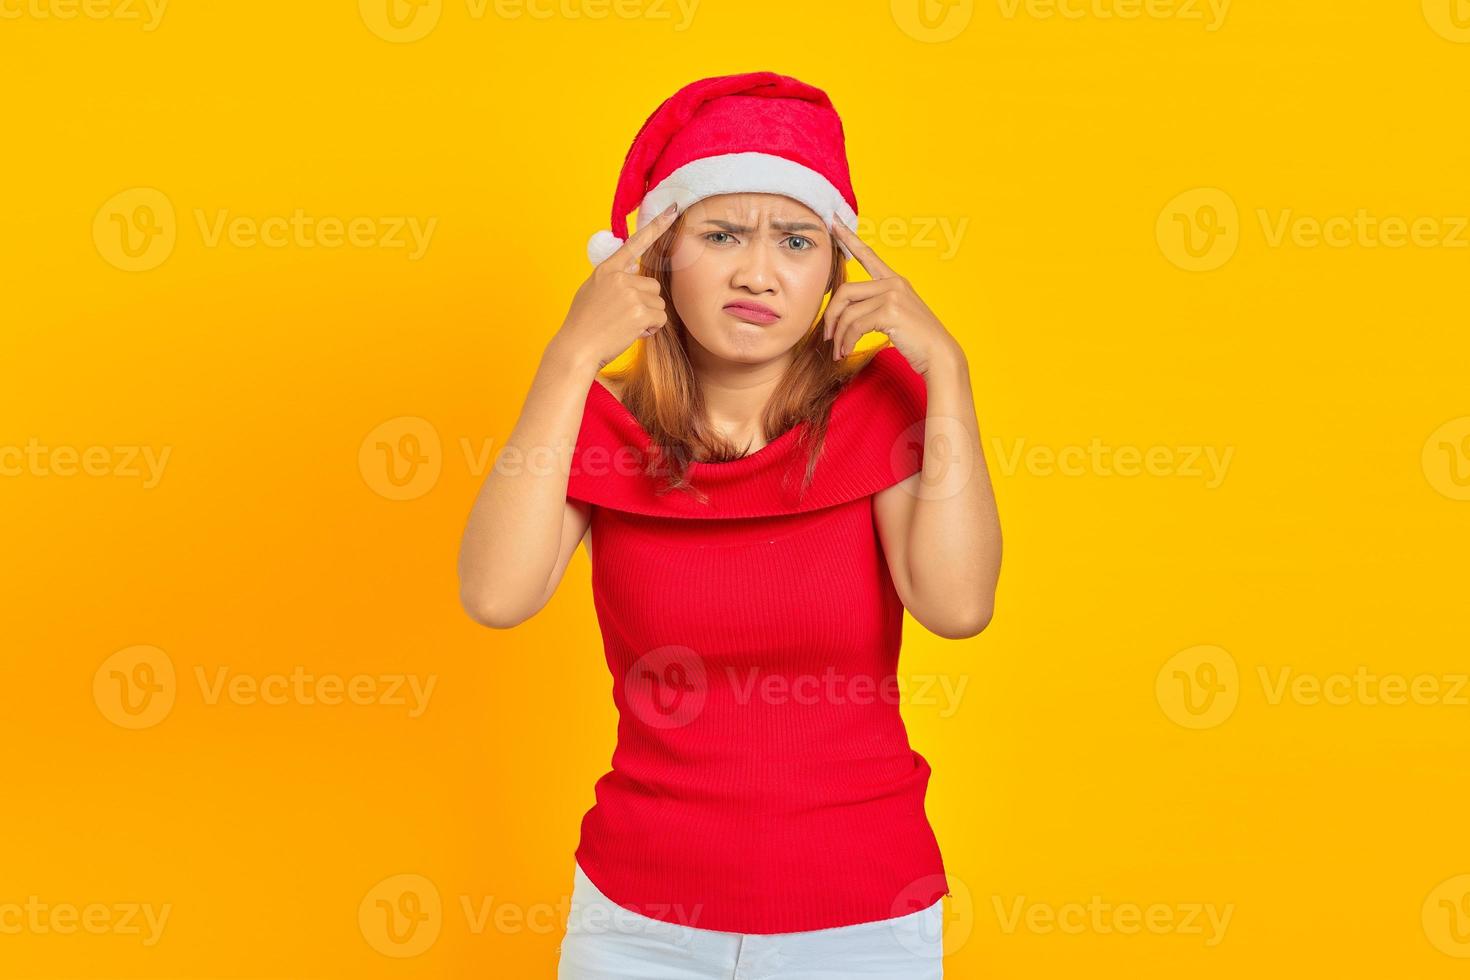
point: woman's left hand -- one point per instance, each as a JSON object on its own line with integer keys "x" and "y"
{"x": 887, "y": 304}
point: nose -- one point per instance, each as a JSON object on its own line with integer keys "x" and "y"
{"x": 754, "y": 269}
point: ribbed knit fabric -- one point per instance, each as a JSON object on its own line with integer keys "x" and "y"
{"x": 762, "y": 781}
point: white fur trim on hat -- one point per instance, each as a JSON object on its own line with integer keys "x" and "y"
{"x": 735, "y": 173}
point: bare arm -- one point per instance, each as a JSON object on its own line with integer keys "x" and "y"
{"x": 939, "y": 528}
{"x": 523, "y": 529}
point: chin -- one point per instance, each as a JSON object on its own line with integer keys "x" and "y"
{"x": 744, "y": 343}
{"x": 755, "y": 348}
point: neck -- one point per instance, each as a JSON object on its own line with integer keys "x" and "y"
{"x": 736, "y": 393}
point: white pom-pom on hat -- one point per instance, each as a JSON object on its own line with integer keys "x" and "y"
{"x": 602, "y": 245}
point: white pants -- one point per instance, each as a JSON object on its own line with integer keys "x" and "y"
{"x": 605, "y": 941}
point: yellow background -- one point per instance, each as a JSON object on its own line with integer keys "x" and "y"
{"x": 1065, "y": 154}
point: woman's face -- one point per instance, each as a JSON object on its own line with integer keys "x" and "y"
{"x": 760, "y": 250}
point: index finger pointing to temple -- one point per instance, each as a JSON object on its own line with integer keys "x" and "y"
{"x": 640, "y": 240}
{"x": 861, "y": 251}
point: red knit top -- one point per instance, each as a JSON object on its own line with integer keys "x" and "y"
{"x": 762, "y": 780}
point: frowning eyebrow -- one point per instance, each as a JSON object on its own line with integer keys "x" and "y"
{"x": 778, "y": 225}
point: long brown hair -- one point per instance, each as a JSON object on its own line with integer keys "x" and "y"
{"x": 662, "y": 393}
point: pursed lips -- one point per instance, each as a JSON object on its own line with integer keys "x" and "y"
{"x": 752, "y": 312}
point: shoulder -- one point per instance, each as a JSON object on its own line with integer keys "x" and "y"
{"x": 607, "y": 434}
{"x": 875, "y": 435}
{"x": 887, "y": 382}
{"x": 614, "y": 386}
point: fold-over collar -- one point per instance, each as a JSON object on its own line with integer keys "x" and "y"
{"x": 874, "y": 439}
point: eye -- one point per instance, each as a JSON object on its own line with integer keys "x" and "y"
{"x": 713, "y": 233}
{"x": 806, "y": 248}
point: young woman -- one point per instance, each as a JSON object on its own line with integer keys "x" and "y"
{"x": 762, "y": 504}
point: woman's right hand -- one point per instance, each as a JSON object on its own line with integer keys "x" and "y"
{"x": 617, "y": 304}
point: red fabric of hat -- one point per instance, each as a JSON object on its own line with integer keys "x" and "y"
{"x": 758, "y": 132}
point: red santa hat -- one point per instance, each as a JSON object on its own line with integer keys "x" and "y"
{"x": 758, "y": 132}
